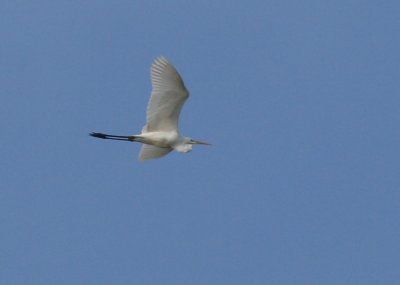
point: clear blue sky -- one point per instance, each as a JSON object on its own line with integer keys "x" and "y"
{"x": 300, "y": 100}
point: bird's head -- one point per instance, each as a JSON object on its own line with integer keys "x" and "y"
{"x": 187, "y": 144}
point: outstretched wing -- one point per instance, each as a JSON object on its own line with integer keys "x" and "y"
{"x": 151, "y": 152}
{"x": 167, "y": 97}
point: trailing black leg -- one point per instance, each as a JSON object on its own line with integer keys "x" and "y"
{"x": 113, "y": 137}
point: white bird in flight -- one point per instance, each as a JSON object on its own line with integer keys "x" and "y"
{"x": 161, "y": 134}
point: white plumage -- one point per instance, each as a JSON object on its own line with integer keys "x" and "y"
{"x": 161, "y": 134}
{"x": 167, "y": 97}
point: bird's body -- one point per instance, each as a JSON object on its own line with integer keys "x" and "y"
{"x": 161, "y": 134}
{"x": 170, "y": 139}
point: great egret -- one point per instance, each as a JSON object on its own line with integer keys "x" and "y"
{"x": 161, "y": 135}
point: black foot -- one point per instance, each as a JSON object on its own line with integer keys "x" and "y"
{"x": 98, "y": 135}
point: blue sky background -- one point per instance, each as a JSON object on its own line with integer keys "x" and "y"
{"x": 300, "y": 100}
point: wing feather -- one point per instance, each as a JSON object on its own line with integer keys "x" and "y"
{"x": 167, "y": 97}
{"x": 151, "y": 152}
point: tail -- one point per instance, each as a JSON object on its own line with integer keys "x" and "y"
{"x": 113, "y": 137}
